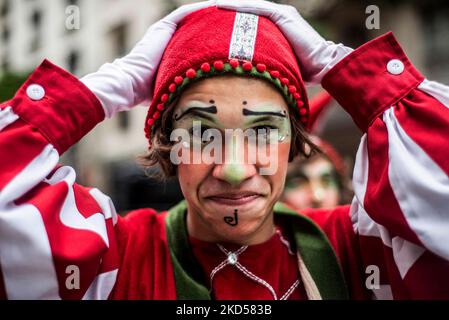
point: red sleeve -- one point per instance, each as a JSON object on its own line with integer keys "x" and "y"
{"x": 57, "y": 238}
{"x": 337, "y": 226}
{"x": 146, "y": 271}
{"x": 400, "y": 178}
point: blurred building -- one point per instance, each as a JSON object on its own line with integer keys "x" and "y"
{"x": 31, "y": 30}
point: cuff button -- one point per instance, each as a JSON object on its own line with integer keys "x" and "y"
{"x": 395, "y": 67}
{"x": 35, "y": 92}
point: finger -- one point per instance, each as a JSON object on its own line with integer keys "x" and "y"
{"x": 259, "y": 7}
{"x": 179, "y": 14}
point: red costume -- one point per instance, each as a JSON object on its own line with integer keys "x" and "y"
{"x": 397, "y": 221}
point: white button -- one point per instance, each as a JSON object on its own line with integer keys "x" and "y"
{"x": 232, "y": 258}
{"x": 395, "y": 67}
{"x": 35, "y": 92}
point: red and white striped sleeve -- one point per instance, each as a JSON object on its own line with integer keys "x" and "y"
{"x": 52, "y": 230}
{"x": 401, "y": 176}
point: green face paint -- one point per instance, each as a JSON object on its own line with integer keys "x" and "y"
{"x": 196, "y": 117}
{"x": 234, "y": 173}
{"x": 269, "y": 118}
{"x": 233, "y": 169}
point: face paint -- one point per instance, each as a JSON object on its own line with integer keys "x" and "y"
{"x": 197, "y": 117}
{"x": 195, "y": 110}
{"x": 269, "y": 117}
{"x": 232, "y": 221}
{"x": 233, "y": 169}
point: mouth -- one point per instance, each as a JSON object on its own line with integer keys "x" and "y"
{"x": 234, "y": 199}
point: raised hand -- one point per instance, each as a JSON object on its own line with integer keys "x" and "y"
{"x": 315, "y": 54}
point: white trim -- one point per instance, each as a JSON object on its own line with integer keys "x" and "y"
{"x": 244, "y": 36}
{"x": 285, "y": 242}
{"x": 248, "y": 273}
{"x": 290, "y": 290}
{"x": 257, "y": 279}
{"x": 420, "y": 186}
{"x": 383, "y": 293}
{"x": 101, "y": 286}
{"x": 69, "y": 213}
{"x": 7, "y": 116}
{"x": 34, "y": 173}
{"x": 309, "y": 284}
{"x": 405, "y": 254}
{"x": 437, "y": 90}
{"x": 25, "y": 255}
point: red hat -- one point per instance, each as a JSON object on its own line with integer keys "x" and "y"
{"x": 318, "y": 105}
{"x": 212, "y": 42}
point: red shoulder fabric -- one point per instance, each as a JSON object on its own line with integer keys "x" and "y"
{"x": 145, "y": 271}
{"x": 336, "y": 224}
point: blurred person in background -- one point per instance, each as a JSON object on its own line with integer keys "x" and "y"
{"x": 321, "y": 180}
{"x": 229, "y": 65}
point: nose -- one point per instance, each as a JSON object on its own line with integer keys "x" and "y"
{"x": 235, "y": 169}
{"x": 234, "y": 173}
{"x": 317, "y": 195}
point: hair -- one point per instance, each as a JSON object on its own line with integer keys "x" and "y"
{"x": 161, "y": 146}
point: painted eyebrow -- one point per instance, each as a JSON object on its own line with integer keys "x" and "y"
{"x": 247, "y": 112}
{"x": 198, "y": 111}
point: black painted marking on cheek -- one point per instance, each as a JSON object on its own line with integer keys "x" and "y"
{"x": 232, "y": 221}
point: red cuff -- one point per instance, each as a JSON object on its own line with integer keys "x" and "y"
{"x": 365, "y": 84}
{"x": 63, "y": 112}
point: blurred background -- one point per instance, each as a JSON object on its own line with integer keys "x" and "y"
{"x": 32, "y": 30}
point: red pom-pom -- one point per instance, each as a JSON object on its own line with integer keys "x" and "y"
{"x": 299, "y": 103}
{"x": 296, "y": 95}
{"x": 150, "y": 122}
{"x": 275, "y": 74}
{"x": 261, "y": 67}
{"x": 205, "y": 67}
{"x": 304, "y": 120}
{"x": 303, "y": 111}
{"x": 234, "y": 63}
{"x": 156, "y": 115}
{"x": 285, "y": 81}
{"x": 160, "y": 106}
{"x": 172, "y": 87}
{"x": 164, "y": 97}
{"x": 178, "y": 80}
{"x": 247, "y": 66}
{"x": 147, "y": 135}
{"x": 191, "y": 73}
{"x": 218, "y": 65}
{"x": 292, "y": 89}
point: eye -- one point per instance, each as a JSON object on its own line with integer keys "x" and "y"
{"x": 200, "y": 134}
{"x": 296, "y": 181}
{"x": 264, "y": 129}
{"x": 328, "y": 179}
{"x": 265, "y": 132}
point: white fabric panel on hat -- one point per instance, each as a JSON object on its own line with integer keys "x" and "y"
{"x": 244, "y": 34}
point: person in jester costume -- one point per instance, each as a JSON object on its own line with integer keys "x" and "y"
{"x": 212, "y": 70}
